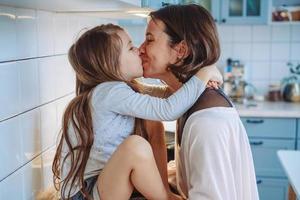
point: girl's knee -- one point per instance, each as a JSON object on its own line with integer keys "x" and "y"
{"x": 138, "y": 147}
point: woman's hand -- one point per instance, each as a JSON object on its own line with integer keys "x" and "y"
{"x": 210, "y": 73}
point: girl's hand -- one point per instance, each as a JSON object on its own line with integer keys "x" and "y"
{"x": 213, "y": 85}
{"x": 210, "y": 73}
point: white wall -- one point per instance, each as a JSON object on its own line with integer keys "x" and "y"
{"x": 36, "y": 83}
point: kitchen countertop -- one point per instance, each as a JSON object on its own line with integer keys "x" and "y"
{"x": 290, "y": 160}
{"x": 259, "y": 109}
{"x": 269, "y": 109}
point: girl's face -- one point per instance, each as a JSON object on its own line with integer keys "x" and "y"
{"x": 130, "y": 62}
{"x": 156, "y": 52}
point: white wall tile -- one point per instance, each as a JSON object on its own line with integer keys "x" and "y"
{"x": 60, "y": 108}
{"x": 10, "y": 146}
{"x": 261, "y": 87}
{"x": 280, "y": 51}
{"x": 26, "y": 33}
{"x": 225, "y": 33}
{"x": 30, "y": 134}
{"x": 261, "y": 33}
{"x": 261, "y": 51}
{"x": 137, "y": 34}
{"x": 85, "y": 22}
{"x": 280, "y": 33}
{"x": 226, "y": 51}
{"x": 61, "y": 33}
{"x": 10, "y": 90}
{"x": 260, "y": 71}
{"x": 279, "y": 70}
{"x": 295, "y": 51}
{"x": 47, "y": 175}
{"x": 12, "y": 187}
{"x": 32, "y": 178}
{"x": 47, "y": 78}
{"x": 29, "y": 87}
{"x": 24, "y": 183}
{"x": 48, "y": 125}
{"x": 8, "y": 44}
{"x": 45, "y": 28}
{"x": 65, "y": 77}
{"x": 242, "y": 33}
{"x": 73, "y": 28}
{"x": 242, "y": 51}
{"x": 295, "y": 33}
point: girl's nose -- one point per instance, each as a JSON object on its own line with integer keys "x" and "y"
{"x": 142, "y": 48}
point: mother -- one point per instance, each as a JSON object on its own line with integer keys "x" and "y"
{"x": 213, "y": 156}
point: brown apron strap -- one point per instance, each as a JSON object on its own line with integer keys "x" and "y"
{"x": 209, "y": 99}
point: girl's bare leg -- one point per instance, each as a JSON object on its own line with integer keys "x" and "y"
{"x": 132, "y": 165}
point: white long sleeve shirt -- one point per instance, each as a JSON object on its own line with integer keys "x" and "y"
{"x": 214, "y": 160}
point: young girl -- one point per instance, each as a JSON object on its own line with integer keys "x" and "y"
{"x": 97, "y": 155}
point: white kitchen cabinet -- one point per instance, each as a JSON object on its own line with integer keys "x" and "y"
{"x": 298, "y": 141}
{"x": 244, "y": 11}
{"x": 236, "y": 11}
{"x": 266, "y": 137}
{"x": 271, "y": 188}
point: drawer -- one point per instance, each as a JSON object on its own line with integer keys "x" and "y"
{"x": 275, "y": 189}
{"x": 265, "y": 157}
{"x": 270, "y": 127}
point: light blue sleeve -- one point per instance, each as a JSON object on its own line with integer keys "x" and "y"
{"x": 125, "y": 101}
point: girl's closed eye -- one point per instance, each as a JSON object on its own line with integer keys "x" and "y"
{"x": 133, "y": 48}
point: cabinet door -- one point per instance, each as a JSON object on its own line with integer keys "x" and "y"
{"x": 213, "y": 6}
{"x": 245, "y": 11}
{"x": 270, "y": 127}
{"x": 265, "y": 157}
{"x": 275, "y": 189}
{"x": 156, "y": 4}
{"x": 298, "y": 142}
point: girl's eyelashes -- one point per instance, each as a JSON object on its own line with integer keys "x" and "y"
{"x": 133, "y": 48}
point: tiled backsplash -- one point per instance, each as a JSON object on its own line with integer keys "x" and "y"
{"x": 36, "y": 83}
{"x": 264, "y": 49}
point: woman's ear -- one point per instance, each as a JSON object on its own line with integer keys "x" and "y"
{"x": 182, "y": 50}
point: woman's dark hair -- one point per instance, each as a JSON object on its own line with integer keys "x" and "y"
{"x": 194, "y": 25}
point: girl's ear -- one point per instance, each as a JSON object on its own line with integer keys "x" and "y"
{"x": 182, "y": 50}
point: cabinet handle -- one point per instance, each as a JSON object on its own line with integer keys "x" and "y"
{"x": 257, "y": 143}
{"x": 215, "y": 20}
{"x": 253, "y": 121}
{"x": 258, "y": 182}
{"x": 223, "y": 20}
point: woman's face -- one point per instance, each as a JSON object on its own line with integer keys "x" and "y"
{"x": 156, "y": 52}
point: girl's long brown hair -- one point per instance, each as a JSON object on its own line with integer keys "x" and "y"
{"x": 95, "y": 59}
